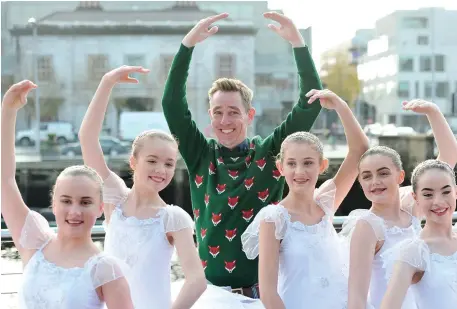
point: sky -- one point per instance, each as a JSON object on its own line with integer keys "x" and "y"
{"x": 335, "y": 21}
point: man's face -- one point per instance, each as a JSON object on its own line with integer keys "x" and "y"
{"x": 229, "y": 118}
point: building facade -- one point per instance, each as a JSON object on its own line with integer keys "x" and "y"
{"x": 413, "y": 55}
{"x": 77, "y": 42}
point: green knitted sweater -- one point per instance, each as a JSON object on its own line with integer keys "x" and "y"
{"x": 229, "y": 187}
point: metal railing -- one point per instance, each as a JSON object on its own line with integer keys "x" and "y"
{"x": 98, "y": 230}
{"x": 98, "y": 233}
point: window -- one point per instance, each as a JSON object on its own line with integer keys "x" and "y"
{"x": 89, "y": 4}
{"x": 225, "y": 66}
{"x": 166, "y": 61}
{"x": 411, "y": 120}
{"x": 415, "y": 22}
{"x": 134, "y": 60}
{"x": 281, "y": 83}
{"x": 403, "y": 89}
{"x": 439, "y": 63}
{"x": 97, "y": 66}
{"x": 442, "y": 89}
{"x": 185, "y": 4}
{"x": 422, "y": 40}
{"x": 7, "y": 82}
{"x": 417, "y": 92}
{"x": 104, "y": 142}
{"x": 262, "y": 79}
{"x": 428, "y": 89}
{"x": 393, "y": 118}
{"x": 406, "y": 64}
{"x": 45, "y": 69}
{"x": 425, "y": 63}
{"x": 292, "y": 81}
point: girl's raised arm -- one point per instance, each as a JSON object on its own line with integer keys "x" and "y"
{"x": 14, "y": 210}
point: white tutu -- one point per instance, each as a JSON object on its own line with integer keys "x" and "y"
{"x": 218, "y": 298}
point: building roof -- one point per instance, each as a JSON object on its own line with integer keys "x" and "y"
{"x": 174, "y": 20}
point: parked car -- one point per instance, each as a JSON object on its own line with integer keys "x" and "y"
{"x": 63, "y": 131}
{"x": 111, "y": 146}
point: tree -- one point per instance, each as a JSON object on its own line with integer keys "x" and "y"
{"x": 341, "y": 76}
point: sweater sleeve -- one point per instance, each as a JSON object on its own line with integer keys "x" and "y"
{"x": 192, "y": 143}
{"x": 303, "y": 115}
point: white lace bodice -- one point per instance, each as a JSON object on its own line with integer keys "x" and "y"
{"x": 49, "y": 286}
{"x": 312, "y": 259}
{"x": 143, "y": 245}
{"x": 390, "y": 235}
{"x": 438, "y": 286}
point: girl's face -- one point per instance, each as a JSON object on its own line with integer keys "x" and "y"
{"x": 301, "y": 165}
{"x": 76, "y": 205}
{"x": 436, "y": 196}
{"x": 155, "y": 164}
{"x": 380, "y": 179}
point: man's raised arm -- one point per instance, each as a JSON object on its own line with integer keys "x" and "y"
{"x": 192, "y": 143}
{"x": 303, "y": 115}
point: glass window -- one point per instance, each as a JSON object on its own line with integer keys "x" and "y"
{"x": 442, "y": 89}
{"x": 403, "y": 89}
{"x": 406, "y": 64}
{"x": 425, "y": 64}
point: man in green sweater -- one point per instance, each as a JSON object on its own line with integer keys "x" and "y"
{"x": 232, "y": 177}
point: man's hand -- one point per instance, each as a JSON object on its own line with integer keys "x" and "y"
{"x": 286, "y": 29}
{"x": 202, "y": 30}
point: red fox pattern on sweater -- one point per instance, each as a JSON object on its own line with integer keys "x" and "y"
{"x": 229, "y": 187}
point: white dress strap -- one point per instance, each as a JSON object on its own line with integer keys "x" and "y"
{"x": 176, "y": 219}
{"x": 36, "y": 232}
{"x": 274, "y": 214}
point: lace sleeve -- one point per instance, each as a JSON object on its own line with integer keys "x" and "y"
{"x": 105, "y": 269}
{"x": 272, "y": 214}
{"x": 376, "y": 223}
{"x": 114, "y": 189}
{"x": 325, "y": 196}
{"x": 177, "y": 219}
{"x": 35, "y": 232}
{"x": 413, "y": 252}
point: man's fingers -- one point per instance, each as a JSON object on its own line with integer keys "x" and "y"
{"x": 311, "y": 92}
{"x": 276, "y": 17}
{"x": 213, "y": 30}
{"x": 273, "y": 27}
{"x": 212, "y": 19}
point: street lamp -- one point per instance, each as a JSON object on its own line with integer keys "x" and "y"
{"x": 33, "y": 23}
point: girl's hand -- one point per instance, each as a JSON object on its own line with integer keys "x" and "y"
{"x": 16, "y": 97}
